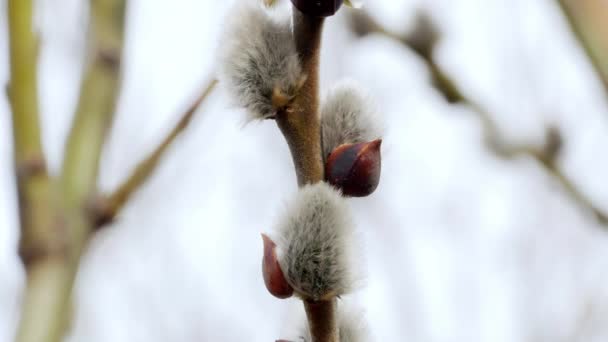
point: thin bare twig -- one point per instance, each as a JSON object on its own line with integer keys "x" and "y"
{"x": 547, "y": 156}
{"x": 111, "y": 206}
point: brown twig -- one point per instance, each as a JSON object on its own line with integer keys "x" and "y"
{"x": 111, "y": 206}
{"x": 547, "y": 156}
{"x": 322, "y": 320}
{"x": 300, "y": 122}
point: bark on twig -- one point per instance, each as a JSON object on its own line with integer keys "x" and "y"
{"x": 322, "y": 320}
{"x": 547, "y": 155}
{"x": 111, "y": 206}
{"x": 300, "y": 122}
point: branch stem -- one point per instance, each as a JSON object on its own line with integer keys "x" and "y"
{"x": 40, "y": 247}
{"x": 96, "y": 106}
{"x": 300, "y": 123}
{"x": 443, "y": 82}
{"x": 116, "y": 200}
{"x": 587, "y": 20}
{"x": 322, "y": 320}
{"x": 54, "y": 235}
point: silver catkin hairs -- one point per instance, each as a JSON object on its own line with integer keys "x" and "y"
{"x": 348, "y": 115}
{"x": 259, "y": 64}
{"x": 316, "y": 243}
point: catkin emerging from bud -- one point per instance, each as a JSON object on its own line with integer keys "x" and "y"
{"x": 259, "y": 63}
{"x": 315, "y": 243}
{"x": 348, "y": 116}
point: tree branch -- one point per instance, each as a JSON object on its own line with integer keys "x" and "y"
{"x": 112, "y": 205}
{"x": 96, "y": 107}
{"x": 322, "y": 320}
{"x": 546, "y": 156}
{"x": 52, "y": 268}
{"x": 300, "y": 122}
{"x": 40, "y": 248}
{"x": 587, "y": 20}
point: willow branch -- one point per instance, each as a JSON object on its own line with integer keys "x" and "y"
{"x": 322, "y": 320}
{"x": 33, "y": 184}
{"x": 547, "y": 156}
{"x": 41, "y": 246}
{"x": 300, "y": 122}
{"x": 587, "y": 20}
{"x": 22, "y": 89}
{"x": 52, "y": 269}
{"x": 96, "y": 106}
{"x": 112, "y": 205}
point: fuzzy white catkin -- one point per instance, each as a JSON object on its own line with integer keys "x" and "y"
{"x": 315, "y": 243}
{"x": 348, "y": 116}
{"x": 258, "y": 55}
{"x": 351, "y": 325}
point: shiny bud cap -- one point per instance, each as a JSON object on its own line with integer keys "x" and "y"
{"x": 318, "y": 8}
{"x": 355, "y": 168}
{"x": 271, "y": 269}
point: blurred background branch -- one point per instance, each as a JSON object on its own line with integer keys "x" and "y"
{"x": 113, "y": 204}
{"x": 422, "y": 40}
{"x": 40, "y": 249}
{"x": 53, "y": 264}
{"x": 587, "y": 19}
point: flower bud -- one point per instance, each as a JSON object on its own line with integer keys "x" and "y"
{"x": 318, "y": 8}
{"x": 355, "y": 168}
{"x": 273, "y": 275}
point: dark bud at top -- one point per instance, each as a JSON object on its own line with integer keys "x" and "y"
{"x": 318, "y": 8}
{"x": 355, "y": 168}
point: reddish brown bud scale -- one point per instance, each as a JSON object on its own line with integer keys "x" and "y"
{"x": 355, "y": 168}
{"x": 271, "y": 269}
{"x": 318, "y": 8}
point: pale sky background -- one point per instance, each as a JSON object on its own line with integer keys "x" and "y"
{"x": 460, "y": 246}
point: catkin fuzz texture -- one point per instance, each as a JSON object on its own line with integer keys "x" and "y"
{"x": 348, "y": 116}
{"x": 258, "y": 58}
{"x": 316, "y": 243}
